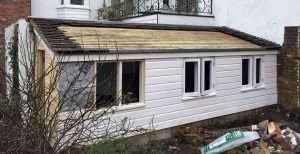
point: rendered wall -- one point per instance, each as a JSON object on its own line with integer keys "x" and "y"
{"x": 265, "y": 19}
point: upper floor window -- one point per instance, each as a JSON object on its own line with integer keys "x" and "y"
{"x": 77, "y": 2}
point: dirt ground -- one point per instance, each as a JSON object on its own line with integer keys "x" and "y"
{"x": 272, "y": 113}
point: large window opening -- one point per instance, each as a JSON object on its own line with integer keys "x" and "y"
{"x": 130, "y": 82}
{"x": 106, "y": 85}
{"x": 76, "y": 86}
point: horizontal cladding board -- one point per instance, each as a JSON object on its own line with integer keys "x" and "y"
{"x": 203, "y": 116}
{"x": 200, "y": 106}
{"x": 229, "y": 67}
{"x": 226, "y": 61}
{"x": 163, "y": 87}
{"x": 230, "y": 73}
{"x": 170, "y": 63}
{"x": 163, "y": 72}
{"x": 220, "y": 93}
{"x": 163, "y": 79}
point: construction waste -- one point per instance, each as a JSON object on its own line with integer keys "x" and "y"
{"x": 263, "y": 138}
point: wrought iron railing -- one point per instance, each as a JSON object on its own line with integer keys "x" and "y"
{"x": 133, "y": 8}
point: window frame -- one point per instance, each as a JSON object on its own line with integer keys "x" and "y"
{"x": 249, "y": 85}
{"x": 120, "y": 105}
{"x": 261, "y": 83}
{"x": 212, "y": 76}
{"x": 198, "y": 92}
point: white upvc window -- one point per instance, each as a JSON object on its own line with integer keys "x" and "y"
{"x": 198, "y": 77}
{"x": 191, "y": 82}
{"x": 247, "y": 72}
{"x": 207, "y": 76}
{"x": 252, "y": 72}
{"x": 258, "y": 74}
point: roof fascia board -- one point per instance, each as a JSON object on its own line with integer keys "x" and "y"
{"x": 138, "y": 56}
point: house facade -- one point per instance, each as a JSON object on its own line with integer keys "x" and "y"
{"x": 174, "y": 60}
{"x": 207, "y": 72}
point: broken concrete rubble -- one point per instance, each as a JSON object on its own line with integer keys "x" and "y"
{"x": 274, "y": 138}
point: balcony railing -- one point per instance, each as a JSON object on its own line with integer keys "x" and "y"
{"x": 134, "y": 8}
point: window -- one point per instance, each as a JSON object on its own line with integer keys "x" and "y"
{"x": 130, "y": 82}
{"x": 76, "y": 86}
{"x": 86, "y": 84}
{"x": 166, "y": 2}
{"x": 191, "y": 71}
{"x": 77, "y": 2}
{"x": 106, "y": 91}
{"x": 118, "y": 83}
{"x": 252, "y": 72}
{"x": 62, "y": 2}
{"x": 247, "y": 72}
{"x": 198, "y": 81}
{"x": 258, "y": 77}
{"x": 207, "y": 76}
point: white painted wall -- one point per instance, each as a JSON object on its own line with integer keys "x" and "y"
{"x": 44, "y": 8}
{"x": 25, "y": 47}
{"x": 54, "y": 9}
{"x": 265, "y": 19}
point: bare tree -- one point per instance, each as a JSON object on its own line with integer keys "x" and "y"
{"x": 50, "y": 104}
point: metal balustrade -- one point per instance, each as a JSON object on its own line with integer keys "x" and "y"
{"x": 134, "y": 8}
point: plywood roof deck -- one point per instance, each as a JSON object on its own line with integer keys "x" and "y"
{"x": 135, "y": 39}
{"x": 76, "y": 36}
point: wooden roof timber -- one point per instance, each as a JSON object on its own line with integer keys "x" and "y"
{"x": 88, "y": 36}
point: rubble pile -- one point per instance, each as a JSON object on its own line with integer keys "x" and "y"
{"x": 264, "y": 138}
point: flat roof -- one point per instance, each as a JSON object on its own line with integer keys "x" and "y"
{"x": 82, "y": 36}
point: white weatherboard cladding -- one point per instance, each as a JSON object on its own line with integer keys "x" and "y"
{"x": 164, "y": 102}
{"x": 163, "y": 93}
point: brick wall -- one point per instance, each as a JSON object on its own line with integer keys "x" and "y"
{"x": 10, "y": 12}
{"x": 289, "y": 70}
